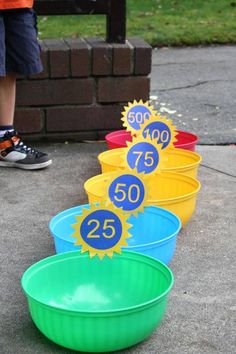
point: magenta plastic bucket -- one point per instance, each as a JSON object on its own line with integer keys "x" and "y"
{"x": 119, "y": 138}
{"x": 186, "y": 140}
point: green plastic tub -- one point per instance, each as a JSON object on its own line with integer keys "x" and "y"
{"x": 91, "y": 305}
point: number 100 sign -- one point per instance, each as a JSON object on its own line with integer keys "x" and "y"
{"x": 160, "y": 130}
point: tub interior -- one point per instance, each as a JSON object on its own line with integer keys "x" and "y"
{"x": 83, "y": 284}
{"x": 155, "y": 224}
{"x": 175, "y": 158}
{"x": 161, "y": 186}
{"x": 167, "y": 186}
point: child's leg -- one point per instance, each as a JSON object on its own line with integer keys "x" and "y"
{"x": 19, "y": 51}
{"x": 7, "y": 99}
{"x": 7, "y": 86}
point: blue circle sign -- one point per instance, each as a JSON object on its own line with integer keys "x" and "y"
{"x": 144, "y": 157}
{"x": 137, "y": 115}
{"x": 127, "y": 192}
{"x": 158, "y": 131}
{"x": 102, "y": 229}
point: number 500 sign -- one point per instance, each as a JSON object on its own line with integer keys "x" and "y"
{"x": 136, "y": 114}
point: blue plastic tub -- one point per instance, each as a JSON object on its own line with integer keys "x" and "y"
{"x": 153, "y": 232}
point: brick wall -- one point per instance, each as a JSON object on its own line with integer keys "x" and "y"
{"x": 84, "y": 86}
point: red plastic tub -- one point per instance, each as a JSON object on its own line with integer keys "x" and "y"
{"x": 119, "y": 138}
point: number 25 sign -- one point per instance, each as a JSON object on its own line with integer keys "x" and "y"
{"x": 101, "y": 230}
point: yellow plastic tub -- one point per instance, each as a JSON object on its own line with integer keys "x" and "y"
{"x": 172, "y": 191}
{"x": 177, "y": 160}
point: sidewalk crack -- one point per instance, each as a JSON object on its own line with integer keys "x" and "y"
{"x": 219, "y": 171}
{"x": 187, "y": 63}
{"x": 191, "y": 86}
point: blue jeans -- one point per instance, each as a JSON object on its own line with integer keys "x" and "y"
{"x": 19, "y": 47}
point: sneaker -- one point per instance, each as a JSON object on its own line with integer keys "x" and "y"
{"x": 15, "y": 153}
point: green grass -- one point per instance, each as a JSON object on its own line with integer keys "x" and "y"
{"x": 159, "y": 22}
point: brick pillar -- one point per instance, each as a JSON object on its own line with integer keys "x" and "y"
{"x": 83, "y": 89}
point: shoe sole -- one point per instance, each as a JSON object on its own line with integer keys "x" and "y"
{"x": 35, "y": 166}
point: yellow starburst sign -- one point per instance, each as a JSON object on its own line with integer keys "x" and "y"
{"x": 128, "y": 191}
{"x": 135, "y": 114}
{"x": 160, "y": 130}
{"x": 144, "y": 155}
{"x": 101, "y": 230}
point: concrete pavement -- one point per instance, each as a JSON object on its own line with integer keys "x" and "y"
{"x": 201, "y": 310}
{"x": 200, "y": 84}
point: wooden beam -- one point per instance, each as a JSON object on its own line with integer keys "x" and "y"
{"x": 72, "y": 7}
{"x": 115, "y": 11}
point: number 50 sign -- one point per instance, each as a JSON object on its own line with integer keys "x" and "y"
{"x": 127, "y": 191}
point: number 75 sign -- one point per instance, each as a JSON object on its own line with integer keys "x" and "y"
{"x": 144, "y": 155}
